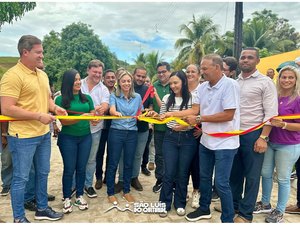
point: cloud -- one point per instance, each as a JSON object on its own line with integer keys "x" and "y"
{"x": 129, "y": 28}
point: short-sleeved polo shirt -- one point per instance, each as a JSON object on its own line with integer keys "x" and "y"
{"x": 32, "y": 91}
{"x": 214, "y": 99}
{"x": 161, "y": 91}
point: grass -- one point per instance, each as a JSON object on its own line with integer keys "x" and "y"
{"x": 6, "y": 63}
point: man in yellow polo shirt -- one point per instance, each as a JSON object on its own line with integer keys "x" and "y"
{"x": 25, "y": 95}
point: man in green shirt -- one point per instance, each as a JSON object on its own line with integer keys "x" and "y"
{"x": 162, "y": 88}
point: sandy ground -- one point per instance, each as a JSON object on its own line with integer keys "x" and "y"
{"x": 98, "y": 206}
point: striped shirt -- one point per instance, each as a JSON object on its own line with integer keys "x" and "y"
{"x": 176, "y": 107}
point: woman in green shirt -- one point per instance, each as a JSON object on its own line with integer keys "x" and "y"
{"x": 74, "y": 140}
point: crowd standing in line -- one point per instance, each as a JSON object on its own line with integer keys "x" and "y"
{"x": 214, "y": 102}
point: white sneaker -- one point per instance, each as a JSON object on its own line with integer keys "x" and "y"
{"x": 68, "y": 206}
{"x": 81, "y": 203}
{"x": 195, "y": 199}
{"x": 180, "y": 211}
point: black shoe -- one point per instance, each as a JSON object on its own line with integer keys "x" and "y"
{"x": 5, "y": 191}
{"x": 51, "y": 198}
{"x": 104, "y": 180}
{"x": 90, "y": 192}
{"x": 146, "y": 172}
{"x": 30, "y": 205}
{"x": 48, "y": 214}
{"x": 23, "y": 220}
{"x": 118, "y": 187}
{"x": 157, "y": 187}
{"x": 98, "y": 184}
{"x": 215, "y": 197}
{"x": 198, "y": 215}
{"x": 135, "y": 183}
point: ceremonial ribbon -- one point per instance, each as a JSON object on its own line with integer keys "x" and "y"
{"x": 156, "y": 120}
{"x": 150, "y": 91}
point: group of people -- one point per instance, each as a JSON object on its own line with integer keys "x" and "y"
{"x": 229, "y": 165}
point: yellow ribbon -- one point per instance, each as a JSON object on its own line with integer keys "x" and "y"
{"x": 155, "y": 120}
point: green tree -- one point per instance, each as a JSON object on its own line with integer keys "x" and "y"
{"x": 177, "y": 64}
{"x": 10, "y": 11}
{"x": 201, "y": 38}
{"x": 74, "y": 47}
{"x": 267, "y": 30}
{"x": 140, "y": 60}
{"x": 152, "y": 59}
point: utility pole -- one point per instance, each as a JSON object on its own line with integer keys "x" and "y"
{"x": 238, "y": 30}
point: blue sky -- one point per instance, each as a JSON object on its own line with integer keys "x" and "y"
{"x": 129, "y": 28}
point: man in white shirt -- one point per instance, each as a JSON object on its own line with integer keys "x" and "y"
{"x": 93, "y": 86}
{"x": 219, "y": 112}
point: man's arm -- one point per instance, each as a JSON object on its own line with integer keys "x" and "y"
{"x": 9, "y": 108}
{"x": 270, "y": 105}
{"x": 261, "y": 144}
{"x": 226, "y": 115}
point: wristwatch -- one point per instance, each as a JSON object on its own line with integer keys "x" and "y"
{"x": 266, "y": 138}
{"x": 198, "y": 119}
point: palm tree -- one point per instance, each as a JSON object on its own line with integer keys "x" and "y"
{"x": 258, "y": 33}
{"x": 152, "y": 59}
{"x": 201, "y": 38}
{"x": 140, "y": 60}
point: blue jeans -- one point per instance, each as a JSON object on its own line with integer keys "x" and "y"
{"x": 119, "y": 140}
{"x": 195, "y": 168}
{"x": 30, "y": 189}
{"x": 140, "y": 148}
{"x": 246, "y": 169}
{"x": 222, "y": 161}
{"x": 91, "y": 164}
{"x": 75, "y": 151}
{"x": 283, "y": 157}
{"x": 7, "y": 167}
{"x": 178, "y": 150}
{"x": 24, "y": 151}
{"x": 159, "y": 159}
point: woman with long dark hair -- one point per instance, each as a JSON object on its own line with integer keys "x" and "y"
{"x": 179, "y": 145}
{"x": 74, "y": 140}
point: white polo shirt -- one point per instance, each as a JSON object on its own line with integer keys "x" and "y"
{"x": 224, "y": 95}
{"x": 99, "y": 95}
